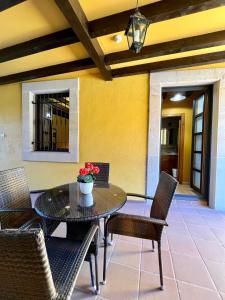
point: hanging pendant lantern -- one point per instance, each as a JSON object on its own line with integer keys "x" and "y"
{"x": 136, "y": 31}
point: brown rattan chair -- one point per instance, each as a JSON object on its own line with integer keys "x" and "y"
{"x": 15, "y": 202}
{"x": 34, "y": 269}
{"x": 103, "y": 175}
{"x": 145, "y": 227}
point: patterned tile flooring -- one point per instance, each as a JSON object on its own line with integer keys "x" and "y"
{"x": 193, "y": 259}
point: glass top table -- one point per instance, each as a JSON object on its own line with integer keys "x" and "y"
{"x": 66, "y": 203}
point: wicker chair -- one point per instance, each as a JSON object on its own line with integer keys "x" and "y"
{"x": 103, "y": 175}
{"x": 145, "y": 227}
{"x": 15, "y": 202}
{"x": 34, "y": 269}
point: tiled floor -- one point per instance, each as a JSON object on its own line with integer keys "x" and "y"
{"x": 193, "y": 259}
{"x": 185, "y": 189}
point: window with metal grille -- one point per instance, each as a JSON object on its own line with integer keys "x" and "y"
{"x": 52, "y": 122}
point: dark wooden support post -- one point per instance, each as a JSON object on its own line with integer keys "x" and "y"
{"x": 79, "y": 23}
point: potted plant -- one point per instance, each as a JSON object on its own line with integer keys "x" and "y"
{"x": 86, "y": 178}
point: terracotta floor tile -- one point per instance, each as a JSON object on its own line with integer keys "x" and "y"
{"x": 101, "y": 258}
{"x": 150, "y": 263}
{"x": 183, "y": 203}
{"x": 188, "y": 291}
{"x": 175, "y": 217}
{"x": 211, "y": 250}
{"x": 217, "y": 272}
{"x": 164, "y": 243}
{"x": 130, "y": 239}
{"x": 201, "y": 232}
{"x": 191, "y": 270}
{"x": 133, "y": 211}
{"x": 60, "y": 230}
{"x": 83, "y": 295}
{"x": 190, "y": 218}
{"x": 149, "y": 288}
{"x": 182, "y": 244}
{"x": 84, "y": 279}
{"x": 217, "y": 223}
{"x": 220, "y": 234}
{"x": 177, "y": 228}
{"x": 189, "y": 223}
{"x": 126, "y": 253}
{"x": 122, "y": 283}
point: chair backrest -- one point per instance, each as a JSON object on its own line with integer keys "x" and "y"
{"x": 14, "y": 193}
{"x": 24, "y": 267}
{"x": 163, "y": 196}
{"x": 103, "y": 175}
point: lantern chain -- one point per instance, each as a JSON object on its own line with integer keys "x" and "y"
{"x": 137, "y": 4}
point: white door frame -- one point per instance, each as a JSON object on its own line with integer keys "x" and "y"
{"x": 216, "y": 77}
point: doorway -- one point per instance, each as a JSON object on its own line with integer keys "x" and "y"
{"x": 209, "y": 76}
{"x": 185, "y": 138}
{"x": 172, "y": 145}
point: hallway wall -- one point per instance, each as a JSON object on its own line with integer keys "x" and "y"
{"x": 183, "y": 107}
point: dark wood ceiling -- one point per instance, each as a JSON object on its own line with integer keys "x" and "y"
{"x": 86, "y": 32}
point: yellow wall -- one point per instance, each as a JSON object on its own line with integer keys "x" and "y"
{"x": 184, "y": 107}
{"x": 113, "y": 128}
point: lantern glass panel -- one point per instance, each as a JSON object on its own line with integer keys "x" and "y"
{"x": 136, "y": 31}
{"x": 130, "y": 35}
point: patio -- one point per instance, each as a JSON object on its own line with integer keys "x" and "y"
{"x": 84, "y": 91}
{"x": 193, "y": 248}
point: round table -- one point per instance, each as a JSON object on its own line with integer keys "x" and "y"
{"x": 66, "y": 203}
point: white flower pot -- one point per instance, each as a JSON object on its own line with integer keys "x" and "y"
{"x": 86, "y": 200}
{"x": 86, "y": 188}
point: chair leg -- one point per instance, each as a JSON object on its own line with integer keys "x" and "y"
{"x": 105, "y": 256}
{"x": 153, "y": 246}
{"x": 111, "y": 240}
{"x": 160, "y": 265}
{"x": 96, "y": 276}
{"x": 44, "y": 227}
{"x": 91, "y": 272}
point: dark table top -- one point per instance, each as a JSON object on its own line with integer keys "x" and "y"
{"x": 66, "y": 203}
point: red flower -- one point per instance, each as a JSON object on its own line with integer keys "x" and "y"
{"x": 96, "y": 170}
{"x": 89, "y": 166}
{"x": 84, "y": 171}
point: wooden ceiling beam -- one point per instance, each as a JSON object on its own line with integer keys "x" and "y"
{"x": 74, "y": 14}
{"x": 77, "y": 65}
{"x": 172, "y": 47}
{"x": 47, "y": 42}
{"x": 172, "y": 64}
{"x": 5, "y": 4}
{"x": 156, "y": 12}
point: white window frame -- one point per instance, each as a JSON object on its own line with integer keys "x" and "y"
{"x": 29, "y": 90}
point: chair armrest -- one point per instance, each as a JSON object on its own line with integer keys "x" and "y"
{"x": 158, "y": 221}
{"x": 68, "y": 286}
{"x": 139, "y": 196}
{"x": 32, "y": 222}
{"x": 139, "y": 219}
{"x": 38, "y": 191}
{"x": 15, "y": 210}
